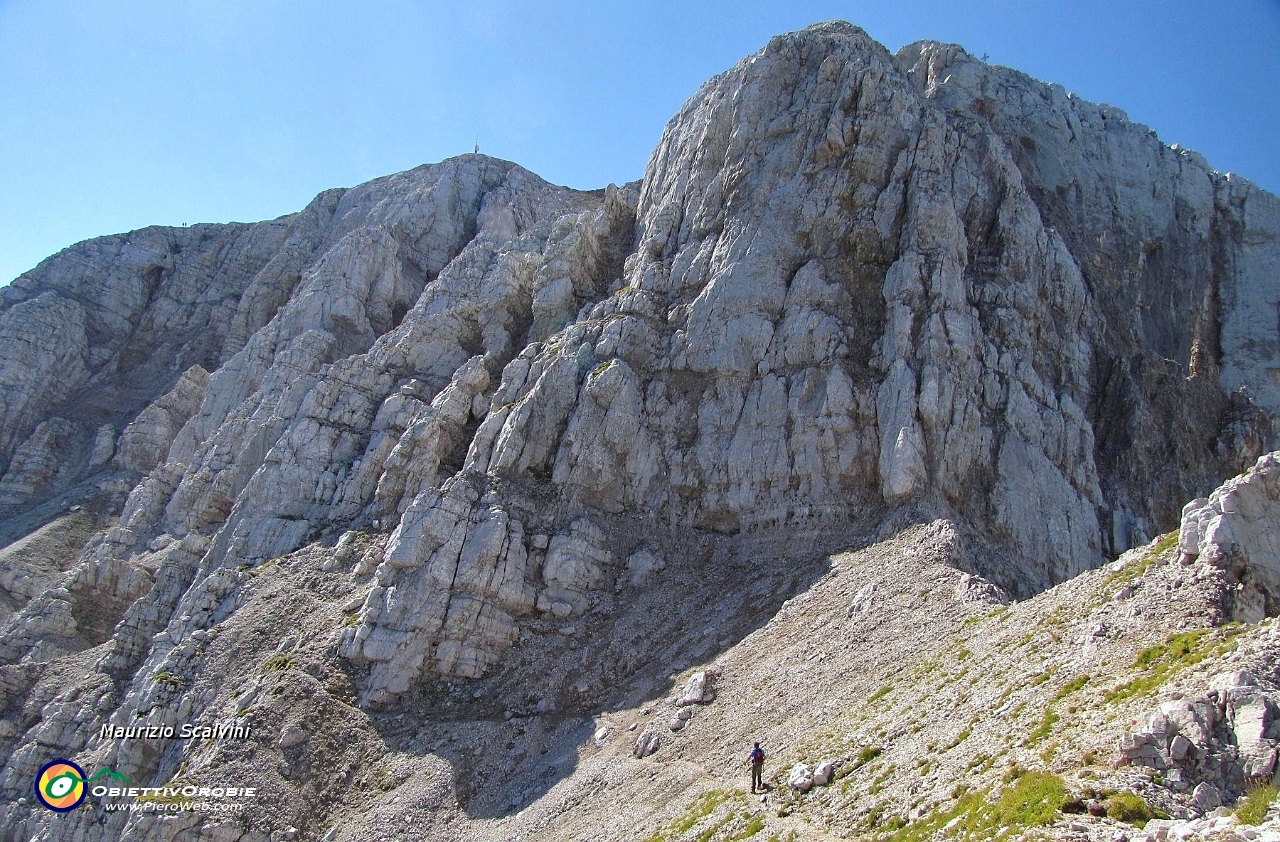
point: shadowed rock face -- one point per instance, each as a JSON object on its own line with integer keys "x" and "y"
{"x": 850, "y": 285}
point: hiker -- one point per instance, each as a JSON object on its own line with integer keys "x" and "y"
{"x": 756, "y": 759}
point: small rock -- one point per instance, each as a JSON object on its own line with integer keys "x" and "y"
{"x": 697, "y": 690}
{"x": 647, "y": 743}
{"x": 800, "y": 778}
{"x": 822, "y": 774}
{"x": 863, "y": 600}
{"x": 242, "y": 703}
{"x": 291, "y": 736}
{"x": 1205, "y": 797}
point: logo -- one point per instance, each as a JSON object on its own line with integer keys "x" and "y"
{"x": 61, "y": 784}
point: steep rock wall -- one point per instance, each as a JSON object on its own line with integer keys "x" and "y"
{"x": 850, "y": 285}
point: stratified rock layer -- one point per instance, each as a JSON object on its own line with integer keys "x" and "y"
{"x": 850, "y": 286}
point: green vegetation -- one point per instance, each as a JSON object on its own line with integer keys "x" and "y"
{"x": 277, "y": 663}
{"x": 1072, "y": 686}
{"x": 961, "y": 737}
{"x": 705, "y": 836}
{"x": 1136, "y": 569}
{"x": 172, "y": 679}
{"x": 1040, "y": 678}
{"x": 1252, "y": 809}
{"x": 1129, "y": 808}
{"x": 1165, "y": 543}
{"x": 702, "y": 807}
{"x": 1159, "y": 663}
{"x": 754, "y": 825}
{"x": 980, "y": 763}
{"x": 880, "y": 694}
{"x": 1178, "y": 647}
{"x": 1033, "y": 799}
{"x": 865, "y": 755}
{"x": 1042, "y": 730}
{"x": 881, "y": 780}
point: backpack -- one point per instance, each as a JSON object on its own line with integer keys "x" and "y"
{"x": 757, "y": 756}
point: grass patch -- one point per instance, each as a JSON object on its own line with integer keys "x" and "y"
{"x": 1040, "y": 678}
{"x": 754, "y": 825}
{"x": 1075, "y": 685}
{"x": 1137, "y": 569}
{"x": 277, "y": 663}
{"x": 170, "y": 678}
{"x": 880, "y": 694}
{"x": 1043, "y": 728}
{"x": 865, "y": 755}
{"x": 1159, "y": 663}
{"x": 1033, "y": 799}
{"x": 702, "y": 807}
{"x": 1167, "y": 542}
{"x": 1252, "y": 809}
{"x": 705, "y": 836}
{"x": 1129, "y": 808}
{"x": 980, "y": 763}
{"x": 961, "y": 737}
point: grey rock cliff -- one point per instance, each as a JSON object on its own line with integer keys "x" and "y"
{"x": 850, "y": 287}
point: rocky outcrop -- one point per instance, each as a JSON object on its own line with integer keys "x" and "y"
{"x": 849, "y": 282}
{"x": 852, "y": 288}
{"x": 1234, "y": 529}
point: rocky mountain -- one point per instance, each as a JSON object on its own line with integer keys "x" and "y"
{"x": 438, "y": 485}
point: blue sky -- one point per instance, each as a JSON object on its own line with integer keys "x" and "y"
{"x": 116, "y": 115}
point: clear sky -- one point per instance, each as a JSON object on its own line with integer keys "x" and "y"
{"x": 115, "y": 114}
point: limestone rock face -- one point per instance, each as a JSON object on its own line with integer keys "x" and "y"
{"x": 145, "y": 442}
{"x": 851, "y": 287}
{"x": 1234, "y": 528}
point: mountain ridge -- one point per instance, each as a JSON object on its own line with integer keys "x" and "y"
{"x": 493, "y": 426}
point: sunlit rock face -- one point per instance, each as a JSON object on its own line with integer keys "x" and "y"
{"x": 850, "y": 286}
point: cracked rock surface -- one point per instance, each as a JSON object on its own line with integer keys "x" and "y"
{"x": 506, "y": 453}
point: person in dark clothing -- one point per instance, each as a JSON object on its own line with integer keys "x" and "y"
{"x": 756, "y": 759}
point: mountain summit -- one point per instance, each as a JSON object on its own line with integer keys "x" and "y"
{"x": 456, "y": 460}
